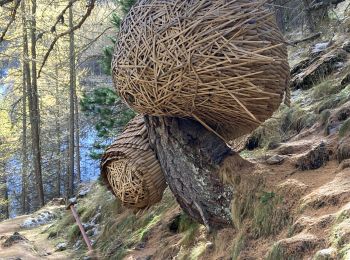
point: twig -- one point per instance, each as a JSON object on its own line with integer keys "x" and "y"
{"x": 310, "y": 38}
{"x": 87, "y": 14}
{"x": 60, "y": 16}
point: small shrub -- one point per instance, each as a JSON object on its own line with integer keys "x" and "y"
{"x": 73, "y": 233}
{"x": 326, "y": 88}
{"x": 324, "y": 116}
{"x": 238, "y": 245}
{"x": 270, "y": 215}
{"x": 345, "y": 128}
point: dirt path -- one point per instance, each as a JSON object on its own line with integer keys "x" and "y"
{"x": 35, "y": 246}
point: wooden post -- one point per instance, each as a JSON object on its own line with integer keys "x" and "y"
{"x": 77, "y": 219}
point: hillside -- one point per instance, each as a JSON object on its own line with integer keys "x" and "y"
{"x": 294, "y": 204}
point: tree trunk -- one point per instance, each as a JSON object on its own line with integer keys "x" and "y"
{"x": 191, "y": 157}
{"x": 24, "y": 202}
{"x": 34, "y": 111}
{"x": 58, "y": 137}
{"x": 77, "y": 135}
{"x": 70, "y": 175}
{"x": 4, "y": 205}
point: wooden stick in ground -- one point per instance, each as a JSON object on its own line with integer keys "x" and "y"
{"x": 82, "y": 230}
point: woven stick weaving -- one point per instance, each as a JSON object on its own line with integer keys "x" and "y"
{"x": 221, "y": 62}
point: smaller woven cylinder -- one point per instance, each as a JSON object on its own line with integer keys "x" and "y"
{"x": 131, "y": 169}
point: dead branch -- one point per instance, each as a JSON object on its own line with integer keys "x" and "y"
{"x": 309, "y": 38}
{"x": 13, "y": 17}
{"x": 81, "y": 22}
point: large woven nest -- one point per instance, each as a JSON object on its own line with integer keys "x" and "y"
{"x": 131, "y": 169}
{"x": 223, "y": 63}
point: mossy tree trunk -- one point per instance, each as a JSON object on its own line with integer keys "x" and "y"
{"x": 190, "y": 157}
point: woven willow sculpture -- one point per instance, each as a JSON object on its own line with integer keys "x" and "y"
{"x": 131, "y": 169}
{"x": 223, "y": 63}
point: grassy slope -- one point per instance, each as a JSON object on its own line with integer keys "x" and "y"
{"x": 273, "y": 212}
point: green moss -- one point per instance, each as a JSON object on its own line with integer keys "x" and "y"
{"x": 345, "y": 128}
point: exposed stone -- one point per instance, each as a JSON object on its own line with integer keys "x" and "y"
{"x": 275, "y": 159}
{"x": 326, "y": 254}
{"x": 61, "y": 246}
{"x": 320, "y": 47}
{"x": 83, "y": 192}
{"x": 343, "y": 149}
{"x": 346, "y": 46}
{"x": 41, "y": 218}
{"x": 14, "y": 238}
{"x": 317, "y": 157}
{"x": 312, "y": 70}
{"x": 346, "y": 80}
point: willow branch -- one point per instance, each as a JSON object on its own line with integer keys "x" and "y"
{"x": 52, "y": 45}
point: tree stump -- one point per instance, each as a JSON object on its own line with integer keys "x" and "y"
{"x": 191, "y": 157}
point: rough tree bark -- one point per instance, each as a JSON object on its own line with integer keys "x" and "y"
{"x": 77, "y": 136}
{"x": 70, "y": 174}
{"x": 34, "y": 110}
{"x": 58, "y": 136}
{"x": 190, "y": 157}
{"x": 24, "y": 203}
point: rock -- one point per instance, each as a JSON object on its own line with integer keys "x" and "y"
{"x": 77, "y": 245}
{"x": 326, "y": 254}
{"x": 96, "y": 218}
{"x": 14, "y": 238}
{"x": 317, "y": 157}
{"x": 140, "y": 246}
{"x": 346, "y": 80}
{"x": 275, "y": 159}
{"x": 61, "y": 246}
{"x": 83, "y": 192}
{"x": 42, "y": 218}
{"x": 332, "y": 193}
{"x": 346, "y": 46}
{"x": 312, "y": 71}
{"x": 320, "y": 47}
{"x": 343, "y": 149}
{"x": 90, "y": 232}
{"x": 72, "y": 200}
{"x": 88, "y": 226}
